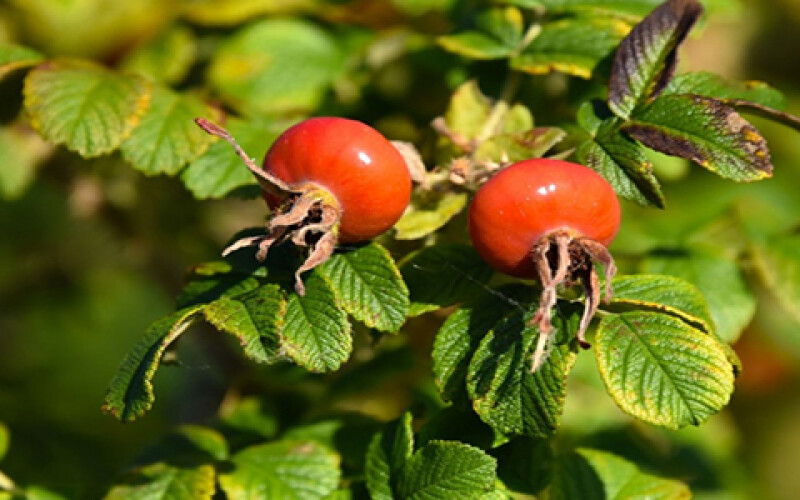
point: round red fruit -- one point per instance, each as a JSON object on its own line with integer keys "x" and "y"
{"x": 525, "y": 201}
{"x": 360, "y": 168}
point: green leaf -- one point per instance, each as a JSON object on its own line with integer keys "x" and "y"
{"x": 646, "y": 59}
{"x": 254, "y": 317}
{"x": 250, "y": 415}
{"x": 705, "y": 131}
{"x": 778, "y": 264}
{"x": 316, "y": 333}
{"x": 291, "y": 470}
{"x": 429, "y": 212}
{"x": 519, "y": 146}
{"x": 167, "y": 58}
{"x": 167, "y": 138}
{"x": 188, "y": 446}
{"x": 235, "y": 12}
{"x": 623, "y": 163}
{"x": 212, "y": 280}
{"x": 498, "y": 35}
{"x": 21, "y": 152}
{"x": 387, "y": 454}
{"x": 130, "y": 393}
{"x": 592, "y": 474}
{"x": 219, "y": 171}
{"x": 5, "y": 439}
{"x": 463, "y": 331}
{"x": 504, "y": 392}
{"x": 525, "y": 465}
{"x": 661, "y": 370}
{"x": 275, "y": 66}
{"x": 666, "y": 294}
{"x": 348, "y": 434}
{"x": 442, "y": 470}
{"x": 712, "y": 85}
{"x": 468, "y": 110}
{"x": 14, "y": 57}
{"x": 89, "y": 109}
{"x": 633, "y": 9}
{"x": 368, "y": 285}
{"x": 162, "y": 480}
{"x": 574, "y": 46}
{"x": 719, "y": 279}
{"x": 467, "y": 275}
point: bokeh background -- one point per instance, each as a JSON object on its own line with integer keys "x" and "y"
{"x": 92, "y": 251}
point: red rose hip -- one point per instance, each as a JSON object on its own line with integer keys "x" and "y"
{"x": 327, "y": 180}
{"x": 550, "y": 220}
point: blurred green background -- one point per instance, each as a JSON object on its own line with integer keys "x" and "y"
{"x": 92, "y": 251}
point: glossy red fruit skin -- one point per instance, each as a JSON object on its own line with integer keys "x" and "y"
{"x": 354, "y": 162}
{"x": 526, "y": 200}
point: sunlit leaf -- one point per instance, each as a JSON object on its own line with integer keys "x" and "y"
{"x": 427, "y": 213}
{"x": 498, "y": 35}
{"x": 167, "y": 137}
{"x": 712, "y": 85}
{"x": 661, "y": 370}
{"x": 13, "y": 57}
{"x": 89, "y": 109}
{"x": 233, "y": 12}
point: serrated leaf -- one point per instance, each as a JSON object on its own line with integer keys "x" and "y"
{"x": 275, "y": 66}
{"x": 463, "y": 331}
{"x": 504, "y": 392}
{"x": 423, "y": 270}
{"x": 368, "y": 285}
{"x": 316, "y": 333}
{"x": 442, "y": 470}
{"x": 519, "y": 146}
{"x": 646, "y": 59}
{"x": 167, "y": 58}
{"x": 592, "y": 474}
{"x": 778, "y": 264}
{"x": 21, "y": 152}
{"x": 163, "y": 480}
{"x": 387, "y": 454}
{"x": 291, "y": 470}
{"x": 86, "y": 107}
{"x": 14, "y": 57}
{"x": 661, "y": 370}
{"x": 428, "y": 213}
{"x": 167, "y": 137}
{"x": 719, "y": 279}
{"x": 219, "y": 170}
{"x": 662, "y": 293}
{"x": 348, "y": 434}
{"x": 705, "y": 131}
{"x": 713, "y": 85}
{"x": 130, "y": 393}
{"x": 254, "y": 317}
{"x": 499, "y": 34}
{"x": 623, "y": 163}
{"x": 574, "y": 46}
{"x": 235, "y": 12}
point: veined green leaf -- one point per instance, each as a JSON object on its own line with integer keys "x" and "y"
{"x": 661, "y": 370}
{"x": 167, "y": 137}
{"x": 162, "y": 480}
{"x": 219, "y": 170}
{"x": 623, "y": 163}
{"x": 423, "y": 270}
{"x": 387, "y": 455}
{"x": 130, "y": 393}
{"x": 275, "y": 66}
{"x": 713, "y": 85}
{"x": 368, "y": 285}
{"x": 447, "y": 469}
{"x": 778, "y": 264}
{"x": 167, "y": 58}
{"x": 499, "y": 34}
{"x": 254, "y": 317}
{"x": 719, "y": 279}
{"x": 316, "y": 333}
{"x": 646, "y": 59}
{"x": 291, "y": 470}
{"x": 705, "y": 131}
{"x": 463, "y": 331}
{"x": 590, "y": 474}
{"x": 14, "y": 57}
{"x": 89, "y": 109}
{"x": 427, "y": 213}
{"x": 668, "y": 294}
{"x": 504, "y": 392}
{"x": 574, "y": 46}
